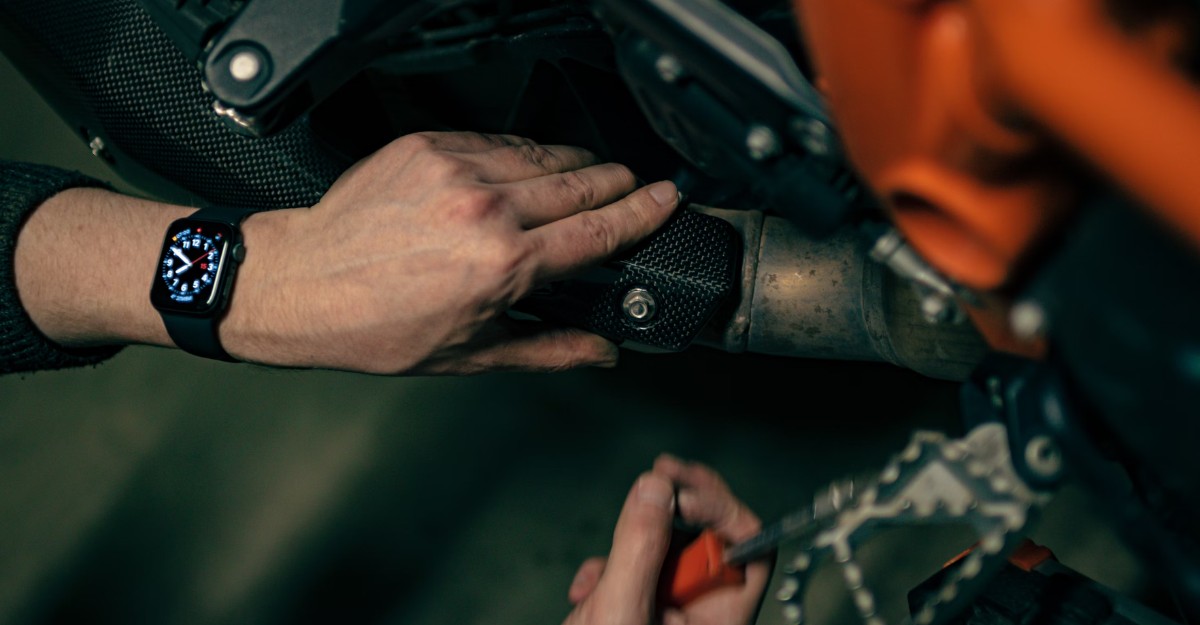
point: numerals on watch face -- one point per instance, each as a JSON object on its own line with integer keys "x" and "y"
{"x": 190, "y": 268}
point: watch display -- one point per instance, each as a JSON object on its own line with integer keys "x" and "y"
{"x": 191, "y": 272}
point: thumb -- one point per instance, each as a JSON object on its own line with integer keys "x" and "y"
{"x": 640, "y": 543}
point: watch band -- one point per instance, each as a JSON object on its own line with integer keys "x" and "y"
{"x": 198, "y": 335}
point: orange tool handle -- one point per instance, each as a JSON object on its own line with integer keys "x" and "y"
{"x": 695, "y": 570}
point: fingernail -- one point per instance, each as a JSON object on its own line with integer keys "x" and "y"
{"x": 582, "y": 575}
{"x": 656, "y": 491}
{"x": 612, "y": 354}
{"x": 664, "y": 193}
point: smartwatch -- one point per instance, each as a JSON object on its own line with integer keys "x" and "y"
{"x": 199, "y": 259}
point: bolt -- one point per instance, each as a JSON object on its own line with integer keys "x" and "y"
{"x": 937, "y": 309}
{"x": 639, "y": 305}
{"x": 1042, "y": 456}
{"x": 1028, "y": 320}
{"x": 669, "y": 68}
{"x": 98, "y": 147}
{"x": 246, "y": 65}
{"x": 236, "y": 121}
{"x": 762, "y": 143}
{"x": 817, "y": 137}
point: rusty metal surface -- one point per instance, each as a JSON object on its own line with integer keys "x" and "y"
{"x": 826, "y": 299}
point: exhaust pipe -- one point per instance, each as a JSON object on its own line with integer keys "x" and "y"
{"x": 828, "y": 299}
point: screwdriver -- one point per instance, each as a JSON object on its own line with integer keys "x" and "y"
{"x": 706, "y": 564}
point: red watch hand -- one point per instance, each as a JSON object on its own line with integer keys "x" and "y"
{"x": 199, "y": 258}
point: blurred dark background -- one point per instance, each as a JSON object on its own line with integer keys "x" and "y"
{"x": 303, "y": 497}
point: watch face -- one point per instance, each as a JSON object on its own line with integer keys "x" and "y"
{"x": 191, "y": 268}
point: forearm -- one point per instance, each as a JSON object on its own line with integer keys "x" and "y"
{"x": 406, "y": 266}
{"x": 84, "y": 261}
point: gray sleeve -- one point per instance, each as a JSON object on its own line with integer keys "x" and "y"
{"x": 23, "y": 187}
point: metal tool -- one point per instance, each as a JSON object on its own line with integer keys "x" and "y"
{"x": 935, "y": 480}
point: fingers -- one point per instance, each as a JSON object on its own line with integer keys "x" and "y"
{"x": 704, "y": 499}
{"x": 512, "y": 163}
{"x": 589, "y": 237}
{"x": 499, "y": 159}
{"x": 529, "y": 346}
{"x": 545, "y": 199}
{"x": 463, "y": 141}
{"x": 586, "y": 579}
{"x": 640, "y": 542}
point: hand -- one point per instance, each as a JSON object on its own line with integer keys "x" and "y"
{"x": 621, "y": 589}
{"x": 410, "y": 262}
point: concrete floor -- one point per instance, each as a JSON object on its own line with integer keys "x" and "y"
{"x": 304, "y": 497}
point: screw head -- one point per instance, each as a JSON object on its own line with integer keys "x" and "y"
{"x": 1043, "y": 456}
{"x": 818, "y": 138}
{"x": 1028, "y": 320}
{"x": 669, "y": 68}
{"x": 245, "y": 66}
{"x": 639, "y": 305}
{"x": 762, "y": 143}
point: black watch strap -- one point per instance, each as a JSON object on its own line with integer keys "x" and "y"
{"x": 198, "y": 335}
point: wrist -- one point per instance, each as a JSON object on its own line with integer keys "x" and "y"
{"x": 256, "y": 327}
{"x": 81, "y": 267}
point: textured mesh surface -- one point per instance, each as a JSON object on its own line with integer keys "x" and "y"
{"x": 690, "y": 267}
{"x": 149, "y": 101}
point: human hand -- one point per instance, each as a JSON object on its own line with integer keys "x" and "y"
{"x": 411, "y": 260}
{"x": 621, "y": 589}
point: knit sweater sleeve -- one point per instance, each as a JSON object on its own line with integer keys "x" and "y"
{"x": 23, "y": 187}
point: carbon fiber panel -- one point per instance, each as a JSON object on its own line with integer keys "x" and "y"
{"x": 690, "y": 269}
{"x": 117, "y": 67}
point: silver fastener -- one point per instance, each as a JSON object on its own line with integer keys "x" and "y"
{"x": 236, "y": 121}
{"x": 817, "y": 137}
{"x": 1043, "y": 457}
{"x": 639, "y": 305}
{"x": 937, "y": 308}
{"x": 1028, "y": 320}
{"x": 669, "y": 68}
{"x": 762, "y": 143}
{"x": 245, "y": 66}
{"x": 97, "y": 146}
